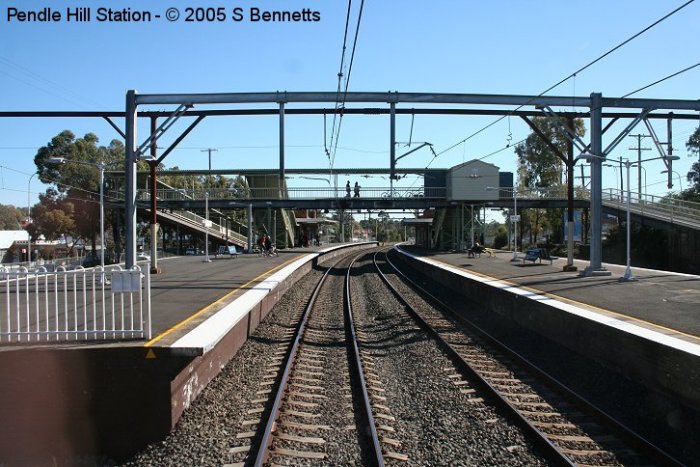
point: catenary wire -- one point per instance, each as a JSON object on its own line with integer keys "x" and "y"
{"x": 340, "y": 76}
{"x": 347, "y": 79}
{"x": 589, "y": 64}
{"x": 661, "y": 80}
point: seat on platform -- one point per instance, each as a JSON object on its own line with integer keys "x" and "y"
{"x": 226, "y": 250}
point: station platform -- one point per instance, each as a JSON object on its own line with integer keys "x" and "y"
{"x": 101, "y": 401}
{"x": 646, "y": 331}
{"x": 96, "y": 403}
{"x": 661, "y": 301}
{"x": 188, "y": 291}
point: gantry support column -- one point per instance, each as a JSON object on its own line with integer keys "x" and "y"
{"x": 130, "y": 176}
{"x": 281, "y": 181}
{"x": 153, "y": 163}
{"x": 569, "y": 266}
{"x": 250, "y": 228}
{"x": 392, "y": 147}
{"x": 596, "y": 250}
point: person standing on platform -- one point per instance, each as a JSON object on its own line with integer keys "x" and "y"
{"x": 347, "y": 189}
{"x": 357, "y": 190}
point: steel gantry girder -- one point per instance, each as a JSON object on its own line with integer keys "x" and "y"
{"x": 595, "y": 103}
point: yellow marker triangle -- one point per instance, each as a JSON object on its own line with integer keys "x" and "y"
{"x": 150, "y": 355}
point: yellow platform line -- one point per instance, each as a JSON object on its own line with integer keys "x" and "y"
{"x": 208, "y": 307}
{"x": 585, "y": 305}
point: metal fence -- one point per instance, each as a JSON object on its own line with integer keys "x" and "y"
{"x": 291, "y": 193}
{"x": 74, "y": 305}
{"x": 661, "y": 207}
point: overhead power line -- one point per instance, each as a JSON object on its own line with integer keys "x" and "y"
{"x": 340, "y": 104}
{"x": 621, "y": 44}
{"x": 340, "y": 76}
{"x": 352, "y": 54}
{"x": 626, "y": 41}
{"x": 661, "y": 80}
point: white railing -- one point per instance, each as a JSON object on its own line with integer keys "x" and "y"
{"x": 76, "y": 305}
{"x": 661, "y": 207}
{"x": 182, "y": 215}
{"x": 198, "y": 221}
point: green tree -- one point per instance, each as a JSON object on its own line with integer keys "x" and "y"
{"x": 53, "y": 216}
{"x": 76, "y": 192}
{"x": 540, "y": 167}
{"x": 693, "y": 145}
{"x": 10, "y": 217}
{"x": 500, "y": 240}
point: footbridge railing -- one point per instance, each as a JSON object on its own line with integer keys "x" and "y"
{"x": 183, "y": 216}
{"x": 291, "y": 193}
{"x": 669, "y": 209}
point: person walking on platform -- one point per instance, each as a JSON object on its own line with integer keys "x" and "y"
{"x": 261, "y": 243}
{"x": 268, "y": 245}
{"x": 347, "y": 189}
{"x": 357, "y": 190}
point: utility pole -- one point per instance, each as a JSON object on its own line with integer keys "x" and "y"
{"x": 583, "y": 178}
{"x": 209, "y": 150}
{"x": 639, "y": 150}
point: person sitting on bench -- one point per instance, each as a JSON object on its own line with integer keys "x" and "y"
{"x": 477, "y": 249}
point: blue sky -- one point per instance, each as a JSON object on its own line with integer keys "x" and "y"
{"x": 494, "y": 47}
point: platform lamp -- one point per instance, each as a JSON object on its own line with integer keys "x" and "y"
{"x": 514, "y": 219}
{"x": 101, "y": 167}
{"x": 29, "y": 220}
{"x": 207, "y": 223}
{"x": 680, "y": 181}
{"x": 627, "y": 277}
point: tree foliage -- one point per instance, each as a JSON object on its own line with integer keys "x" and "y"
{"x": 540, "y": 167}
{"x": 10, "y": 217}
{"x": 693, "y": 145}
{"x": 72, "y": 207}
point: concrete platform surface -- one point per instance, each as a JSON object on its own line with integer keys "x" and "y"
{"x": 186, "y": 291}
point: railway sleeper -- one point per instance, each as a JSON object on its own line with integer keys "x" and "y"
{"x": 283, "y": 452}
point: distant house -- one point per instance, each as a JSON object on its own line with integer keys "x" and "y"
{"x": 11, "y": 243}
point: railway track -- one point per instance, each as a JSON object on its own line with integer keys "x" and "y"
{"x": 569, "y": 429}
{"x": 319, "y": 394}
{"x": 359, "y": 381}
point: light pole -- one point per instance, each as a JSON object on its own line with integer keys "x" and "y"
{"x": 514, "y": 219}
{"x": 642, "y": 193}
{"x": 101, "y": 167}
{"x": 29, "y": 221}
{"x": 680, "y": 181}
{"x": 628, "y": 271}
{"x": 207, "y": 223}
{"x": 667, "y": 159}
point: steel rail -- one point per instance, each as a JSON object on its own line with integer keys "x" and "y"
{"x": 268, "y": 434}
{"x": 551, "y": 450}
{"x": 266, "y": 441}
{"x": 371, "y": 433}
{"x": 632, "y": 438}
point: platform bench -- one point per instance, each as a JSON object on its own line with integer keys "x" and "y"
{"x": 226, "y": 250}
{"x": 537, "y": 254}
